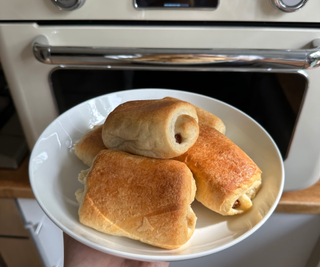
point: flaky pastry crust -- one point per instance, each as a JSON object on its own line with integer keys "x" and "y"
{"x": 90, "y": 145}
{"x": 227, "y": 179}
{"x": 159, "y": 128}
{"x": 207, "y": 118}
{"x": 140, "y": 198}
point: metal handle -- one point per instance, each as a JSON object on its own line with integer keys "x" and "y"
{"x": 176, "y": 58}
{"x": 287, "y": 8}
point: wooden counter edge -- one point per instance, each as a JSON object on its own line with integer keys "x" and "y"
{"x": 16, "y": 192}
{"x": 302, "y": 201}
{"x": 14, "y": 183}
{"x": 304, "y": 208}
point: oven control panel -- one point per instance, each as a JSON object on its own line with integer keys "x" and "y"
{"x": 282, "y": 5}
{"x": 231, "y": 11}
{"x": 68, "y": 4}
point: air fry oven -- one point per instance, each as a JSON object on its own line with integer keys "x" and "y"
{"x": 259, "y": 56}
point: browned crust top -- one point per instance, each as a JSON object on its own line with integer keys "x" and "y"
{"x": 220, "y": 162}
{"x": 128, "y": 190}
{"x": 147, "y": 108}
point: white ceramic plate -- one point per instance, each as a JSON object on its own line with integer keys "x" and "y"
{"x": 54, "y": 170}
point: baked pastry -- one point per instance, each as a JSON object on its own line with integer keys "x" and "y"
{"x": 90, "y": 145}
{"x": 226, "y": 178}
{"x": 160, "y": 128}
{"x": 138, "y": 197}
{"x": 205, "y": 117}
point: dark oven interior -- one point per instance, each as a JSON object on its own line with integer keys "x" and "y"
{"x": 272, "y": 99}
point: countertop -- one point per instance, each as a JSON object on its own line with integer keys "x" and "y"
{"x": 15, "y": 184}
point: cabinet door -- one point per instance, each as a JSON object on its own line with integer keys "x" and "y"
{"x": 19, "y": 252}
{"x": 11, "y": 223}
{"x": 16, "y": 245}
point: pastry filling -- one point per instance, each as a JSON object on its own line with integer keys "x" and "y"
{"x": 185, "y": 131}
{"x": 236, "y": 204}
{"x": 178, "y": 138}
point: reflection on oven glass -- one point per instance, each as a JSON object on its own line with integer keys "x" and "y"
{"x": 272, "y": 99}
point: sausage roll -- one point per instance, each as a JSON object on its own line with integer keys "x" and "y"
{"x": 90, "y": 145}
{"x": 138, "y": 197}
{"x": 226, "y": 178}
{"x": 161, "y": 128}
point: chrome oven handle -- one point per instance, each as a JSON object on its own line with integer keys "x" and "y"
{"x": 177, "y": 58}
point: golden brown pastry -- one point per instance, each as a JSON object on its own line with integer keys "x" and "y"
{"x": 138, "y": 197}
{"x": 160, "y": 128}
{"x": 90, "y": 145}
{"x": 208, "y": 118}
{"x": 227, "y": 179}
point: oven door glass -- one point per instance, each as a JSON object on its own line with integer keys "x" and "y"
{"x": 272, "y": 99}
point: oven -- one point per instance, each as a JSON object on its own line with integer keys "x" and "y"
{"x": 259, "y": 56}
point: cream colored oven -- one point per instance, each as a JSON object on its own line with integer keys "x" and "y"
{"x": 260, "y": 56}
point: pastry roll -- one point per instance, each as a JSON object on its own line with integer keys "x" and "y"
{"x": 90, "y": 145}
{"x": 208, "y": 118}
{"x": 138, "y": 197}
{"x": 161, "y": 128}
{"x": 226, "y": 178}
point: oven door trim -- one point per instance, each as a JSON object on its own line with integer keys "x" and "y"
{"x": 28, "y": 78}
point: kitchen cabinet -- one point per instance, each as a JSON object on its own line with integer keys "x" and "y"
{"x": 17, "y": 247}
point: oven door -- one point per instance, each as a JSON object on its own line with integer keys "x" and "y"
{"x": 268, "y": 73}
